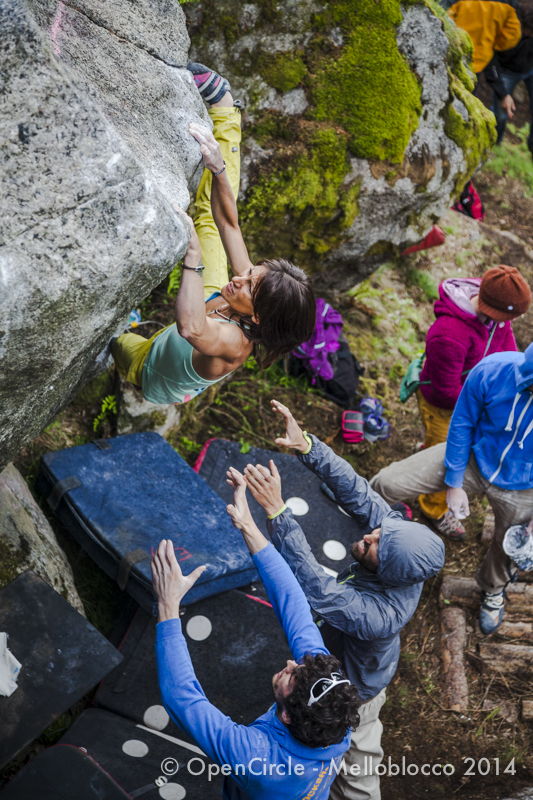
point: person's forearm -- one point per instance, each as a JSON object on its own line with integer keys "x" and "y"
{"x": 226, "y": 217}
{"x": 254, "y": 539}
{"x": 352, "y": 491}
{"x": 190, "y": 305}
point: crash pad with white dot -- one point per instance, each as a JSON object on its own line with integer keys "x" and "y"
{"x": 334, "y": 550}
{"x": 199, "y": 628}
{"x": 234, "y": 664}
{"x": 103, "y": 736}
{"x": 320, "y": 518}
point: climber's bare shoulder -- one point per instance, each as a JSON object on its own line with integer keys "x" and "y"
{"x": 219, "y": 347}
{"x": 225, "y": 350}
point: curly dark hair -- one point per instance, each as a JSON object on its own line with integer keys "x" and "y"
{"x": 326, "y": 721}
{"x": 285, "y": 307}
{"x": 526, "y": 11}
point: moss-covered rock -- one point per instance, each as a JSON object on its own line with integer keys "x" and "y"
{"x": 360, "y": 126}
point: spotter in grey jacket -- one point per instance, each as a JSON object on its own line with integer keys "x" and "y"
{"x": 369, "y": 608}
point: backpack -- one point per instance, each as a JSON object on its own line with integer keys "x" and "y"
{"x": 470, "y": 203}
{"x": 326, "y": 358}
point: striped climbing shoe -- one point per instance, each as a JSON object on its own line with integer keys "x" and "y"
{"x": 209, "y": 83}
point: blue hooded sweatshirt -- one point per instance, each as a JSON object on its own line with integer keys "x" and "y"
{"x": 299, "y": 772}
{"x": 494, "y": 418}
{"x": 369, "y": 608}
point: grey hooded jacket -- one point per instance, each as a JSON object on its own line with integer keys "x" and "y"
{"x": 369, "y": 608}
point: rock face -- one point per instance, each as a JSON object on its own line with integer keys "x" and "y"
{"x": 95, "y": 149}
{"x": 136, "y": 415}
{"x": 360, "y": 124}
{"x": 28, "y": 542}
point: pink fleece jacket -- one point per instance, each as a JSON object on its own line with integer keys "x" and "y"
{"x": 457, "y": 340}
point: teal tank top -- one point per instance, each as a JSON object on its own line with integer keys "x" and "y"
{"x": 168, "y": 375}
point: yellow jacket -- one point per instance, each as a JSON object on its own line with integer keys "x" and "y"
{"x": 491, "y": 24}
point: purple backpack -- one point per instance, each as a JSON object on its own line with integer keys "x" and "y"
{"x": 326, "y": 358}
{"x": 325, "y": 340}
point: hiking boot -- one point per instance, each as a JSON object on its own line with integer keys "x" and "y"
{"x": 448, "y": 526}
{"x": 491, "y": 613}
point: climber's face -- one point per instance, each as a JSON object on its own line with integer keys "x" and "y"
{"x": 238, "y": 292}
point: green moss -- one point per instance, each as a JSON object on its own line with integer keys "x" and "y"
{"x": 461, "y": 49}
{"x": 299, "y": 198}
{"x": 283, "y": 71}
{"x": 369, "y": 89}
{"x": 475, "y": 136}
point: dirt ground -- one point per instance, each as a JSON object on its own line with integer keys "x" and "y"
{"x": 386, "y": 319}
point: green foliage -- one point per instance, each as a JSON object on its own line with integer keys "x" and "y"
{"x": 513, "y": 160}
{"x": 424, "y": 281}
{"x": 283, "y": 71}
{"x": 109, "y": 406}
{"x": 245, "y": 447}
{"x": 174, "y": 280}
{"x": 369, "y": 89}
{"x": 187, "y": 447}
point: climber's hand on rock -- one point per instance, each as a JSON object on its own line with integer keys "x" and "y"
{"x": 194, "y": 250}
{"x": 209, "y": 147}
{"x": 457, "y": 500}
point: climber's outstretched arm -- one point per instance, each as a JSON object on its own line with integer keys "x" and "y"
{"x": 223, "y": 205}
{"x": 206, "y": 335}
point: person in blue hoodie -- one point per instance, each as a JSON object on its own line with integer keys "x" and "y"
{"x": 295, "y": 749}
{"x": 489, "y": 451}
{"x": 364, "y": 609}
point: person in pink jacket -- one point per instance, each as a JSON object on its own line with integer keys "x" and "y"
{"x": 472, "y": 320}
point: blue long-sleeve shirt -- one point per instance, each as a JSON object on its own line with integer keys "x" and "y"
{"x": 299, "y": 772}
{"x": 493, "y": 419}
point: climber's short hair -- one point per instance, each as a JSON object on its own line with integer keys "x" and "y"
{"x": 285, "y": 309}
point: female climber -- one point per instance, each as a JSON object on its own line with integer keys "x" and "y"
{"x": 267, "y": 309}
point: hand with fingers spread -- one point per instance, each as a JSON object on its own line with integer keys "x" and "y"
{"x": 294, "y": 436}
{"x": 169, "y": 582}
{"x": 209, "y": 147}
{"x": 239, "y": 512}
{"x": 265, "y": 485}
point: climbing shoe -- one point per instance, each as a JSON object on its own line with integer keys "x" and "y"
{"x": 491, "y": 614}
{"x": 209, "y": 83}
{"x": 448, "y": 526}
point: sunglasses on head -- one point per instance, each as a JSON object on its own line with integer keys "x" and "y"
{"x": 324, "y": 685}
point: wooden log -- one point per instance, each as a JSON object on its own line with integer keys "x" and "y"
{"x": 489, "y": 525}
{"x": 527, "y": 710}
{"x": 516, "y": 630}
{"x": 511, "y": 659}
{"x": 466, "y": 593}
{"x": 453, "y": 640}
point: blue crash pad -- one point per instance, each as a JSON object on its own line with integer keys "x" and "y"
{"x": 118, "y": 496}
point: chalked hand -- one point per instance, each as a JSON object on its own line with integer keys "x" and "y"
{"x": 294, "y": 436}
{"x": 169, "y": 582}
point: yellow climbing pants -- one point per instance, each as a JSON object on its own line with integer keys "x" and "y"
{"x": 436, "y": 422}
{"x": 227, "y": 132}
{"x": 130, "y": 349}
